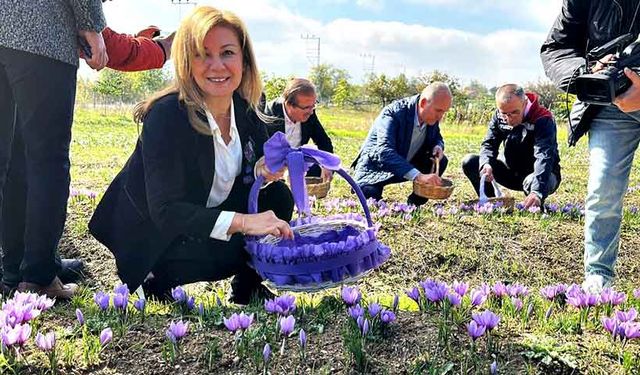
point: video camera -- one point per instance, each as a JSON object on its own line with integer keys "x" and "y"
{"x": 602, "y": 87}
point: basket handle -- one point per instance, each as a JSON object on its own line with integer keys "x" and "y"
{"x": 257, "y": 184}
{"x": 435, "y": 166}
{"x": 483, "y": 196}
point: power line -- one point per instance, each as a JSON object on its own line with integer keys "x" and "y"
{"x": 312, "y": 49}
{"x": 182, "y": 2}
{"x": 368, "y": 63}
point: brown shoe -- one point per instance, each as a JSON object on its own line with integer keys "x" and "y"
{"x": 54, "y": 290}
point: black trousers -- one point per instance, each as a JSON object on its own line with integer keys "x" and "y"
{"x": 424, "y": 166}
{"x": 37, "y": 96}
{"x": 511, "y": 179}
{"x": 192, "y": 260}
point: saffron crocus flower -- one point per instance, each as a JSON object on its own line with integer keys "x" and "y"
{"x": 80, "y": 316}
{"x": 140, "y": 304}
{"x": 355, "y": 311}
{"x": 493, "y": 369}
{"x": 238, "y": 322}
{"x": 105, "y": 336}
{"x": 365, "y": 327}
{"x": 475, "y": 330}
{"x": 121, "y": 289}
{"x": 120, "y": 301}
{"x": 627, "y": 316}
{"x": 454, "y": 299}
{"x": 631, "y": 330}
{"x": 609, "y": 324}
{"x": 191, "y": 303}
{"x": 286, "y": 325}
{"x": 351, "y": 295}
{"x": 266, "y": 353}
{"x": 478, "y": 297}
{"x": 499, "y": 289}
{"x": 435, "y": 291}
{"x": 43, "y": 303}
{"x": 46, "y": 342}
{"x": 414, "y": 294}
{"x": 218, "y": 301}
{"x": 283, "y": 305}
{"x": 201, "y": 309}
{"x": 487, "y": 318}
{"x": 178, "y": 294}
{"x": 636, "y": 293}
{"x": 396, "y": 302}
{"x": 549, "y": 292}
{"x": 387, "y": 316}
{"x": 177, "y": 330}
{"x": 102, "y": 300}
{"x": 517, "y": 303}
{"x": 374, "y": 309}
{"x": 517, "y": 290}
{"x": 460, "y": 288}
{"x": 303, "y": 339}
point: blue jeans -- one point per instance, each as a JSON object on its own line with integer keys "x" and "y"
{"x": 613, "y": 140}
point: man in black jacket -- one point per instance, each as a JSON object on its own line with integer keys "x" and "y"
{"x": 530, "y": 160}
{"x": 614, "y": 130}
{"x": 294, "y": 115}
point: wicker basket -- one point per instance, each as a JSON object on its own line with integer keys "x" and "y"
{"x": 434, "y": 191}
{"x": 317, "y": 187}
{"x": 325, "y": 252}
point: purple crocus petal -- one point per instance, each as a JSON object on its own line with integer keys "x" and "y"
{"x": 547, "y": 314}
{"x": 80, "y": 316}
{"x": 631, "y": 330}
{"x": 271, "y": 306}
{"x": 201, "y": 309}
{"x": 46, "y": 342}
{"x": 191, "y": 303}
{"x": 303, "y": 339}
{"x": 478, "y": 297}
{"x": 387, "y": 316}
{"x": 120, "y": 301}
{"x": 105, "y": 336}
{"x": 244, "y": 320}
{"x": 44, "y": 303}
{"x": 266, "y": 353}
{"x": 549, "y": 292}
{"x": 355, "y": 311}
{"x": 171, "y": 336}
{"x": 396, "y": 302}
{"x": 475, "y": 330}
{"x": 218, "y": 301}
{"x": 102, "y": 300}
{"x": 517, "y": 303}
{"x": 487, "y": 318}
{"x": 499, "y": 289}
{"x": 414, "y": 294}
{"x": 351, "y": 295}
{"x": 460, "y": 288}
{"x": 232, "y": 323}
{"x": 140, "y": 304}
{"x": 360, "y": 321}
{"x": 374, "y": 309}
{"x": 493, "y": 369}
{"x": 178, "y": 294}
{"x": 454, "y": 299}
{"x": 618, "y": 298}
{"x": 178, "y": 329}
{"x": 609, "y": 324}
{"x": 365, "y": 327}
{"x": 286, "y": 325}
{"x": 121, "y": 289}
{"x": 25, "y": 333}
{"x": 636, "y": 293}
{"x": 628, "y": 316}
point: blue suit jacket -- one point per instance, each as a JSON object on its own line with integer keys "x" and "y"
{"x": 384, "y": 153}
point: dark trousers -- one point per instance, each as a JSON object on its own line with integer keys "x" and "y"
{"x": 37, "y": 96}
{"x": 511, "y": 179}
{"x": 191, "y": 260}
{"x": 424, "y": 166}
{"x": 314, "y": 171}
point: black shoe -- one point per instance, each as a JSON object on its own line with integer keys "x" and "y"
{"x": 71, "y": 270}
{"x": 258, "y": 294}
{"x": 416, "y": 200}
{"x": 154, "y": 290}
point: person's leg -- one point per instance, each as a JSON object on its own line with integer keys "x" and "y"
{"x": 314, "y": 171}
{"x": 470, "y": 168}
{"x": 372, "y": 191}
{"x": 552, "y": 184}
{"x": 7, "y": 126}
{"x": 613, "y": 140}
{"x": 44, "y": 92}
{"x": 505, "y": 177}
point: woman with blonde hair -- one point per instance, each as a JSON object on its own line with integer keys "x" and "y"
{"x": 176, "y": 213}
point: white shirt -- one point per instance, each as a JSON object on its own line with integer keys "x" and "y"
{"x": 417, "y": 139}
{"x": 292, "y": 130}
{"x": 228, "y": 165}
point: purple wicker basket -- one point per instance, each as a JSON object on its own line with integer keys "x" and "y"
{"x": 325, "y": 251}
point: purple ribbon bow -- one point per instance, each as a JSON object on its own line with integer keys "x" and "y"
{"x": 278, "y": 153}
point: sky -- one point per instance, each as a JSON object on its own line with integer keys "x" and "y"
{"x": 490, "y": 41}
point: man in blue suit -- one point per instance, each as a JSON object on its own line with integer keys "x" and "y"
{"x": 402, "y": 143}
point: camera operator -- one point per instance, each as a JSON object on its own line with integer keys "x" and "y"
{"x": 614, "y": 130}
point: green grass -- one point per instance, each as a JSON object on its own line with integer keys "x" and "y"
{"x": 529, "y": 249}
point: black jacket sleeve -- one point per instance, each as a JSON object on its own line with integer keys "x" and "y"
{"x": 545, "y": 153}
{"x": 564, "y": 50}
{"x": 166, "y": 137}
{"x": 491, "y": 144}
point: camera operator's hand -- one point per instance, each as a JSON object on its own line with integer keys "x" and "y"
{"x": 602, "y": 63}
{"x": 629, "y": 100}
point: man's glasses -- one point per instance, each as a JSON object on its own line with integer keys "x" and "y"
{"x": 307, "y": 108}
{"x": 509, "y": 114}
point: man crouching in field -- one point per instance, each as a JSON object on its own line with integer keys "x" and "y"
{"x": 402, "y": 141}
{"x": 530, "y": 160}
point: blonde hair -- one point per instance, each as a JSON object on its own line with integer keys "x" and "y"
{"x": 189, "y": 42}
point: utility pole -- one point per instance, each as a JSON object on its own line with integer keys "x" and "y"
{"x": 368, "y": 63}
{"x": 182, "y": 2}
{"x": 312, "y": 49}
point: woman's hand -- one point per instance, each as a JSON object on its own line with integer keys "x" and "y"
{"x": 262, "y": 170}
{"x": 260, "y": 224}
